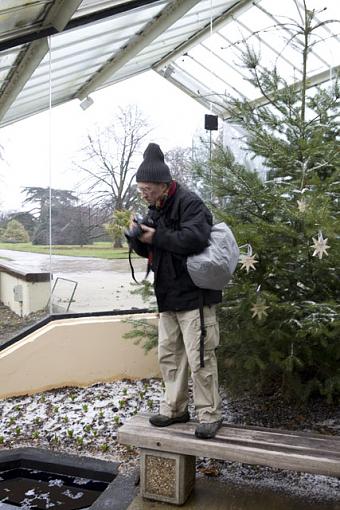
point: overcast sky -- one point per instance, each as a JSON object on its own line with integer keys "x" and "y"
{"x": 174, "y": 115}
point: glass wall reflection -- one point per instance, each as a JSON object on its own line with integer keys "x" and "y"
{"x": 25, "y": 276}
{"x": 67, "y": 192}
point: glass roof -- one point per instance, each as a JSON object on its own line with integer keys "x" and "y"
{"x": 198, "y": 50}
{"x": 214, "y": 65}
{"x": 18, "y": 16}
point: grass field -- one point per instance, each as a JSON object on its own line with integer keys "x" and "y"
{"x": 102, "y": 250}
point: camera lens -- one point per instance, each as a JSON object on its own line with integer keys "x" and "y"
{"x": 133, "y": 232}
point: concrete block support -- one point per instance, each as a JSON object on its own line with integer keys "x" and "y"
{"x": 22, "y": 295}
{"x": 167, "y": 477}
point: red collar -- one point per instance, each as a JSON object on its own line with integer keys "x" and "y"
{"x": 169, "y": 193}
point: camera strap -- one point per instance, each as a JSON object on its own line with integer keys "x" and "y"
{"x": 131, "y": 266}
{"x": 133, "y": 270}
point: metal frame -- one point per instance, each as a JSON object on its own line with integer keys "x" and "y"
{"x": 74, "y": 23}
{"x": 271, "y": 16}
{"x": 72, "y": 294}
{"x": 171, "y": 13}
{"x": 312, "y": 81}
{"x": 239, "y": 7}
{"x": 58, "y": 15}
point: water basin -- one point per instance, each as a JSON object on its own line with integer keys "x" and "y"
{"x": 32, "y": 478}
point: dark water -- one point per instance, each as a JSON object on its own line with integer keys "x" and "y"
{"x": 29, "y": 488}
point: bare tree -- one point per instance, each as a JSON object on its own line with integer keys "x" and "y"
{"x": 180, "y": 163}
{"x": 108, "y": 164}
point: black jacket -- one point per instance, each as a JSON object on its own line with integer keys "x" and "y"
{"x": 183, "y": 228}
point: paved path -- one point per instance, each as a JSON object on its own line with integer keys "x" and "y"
{"x": 102, "y": 284}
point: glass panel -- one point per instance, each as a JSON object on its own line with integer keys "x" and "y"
{"x": 19, "y": 15}
{"x": 7, "y": 60}
{"x": 24, "y": 176}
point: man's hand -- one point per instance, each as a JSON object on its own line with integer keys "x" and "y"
{"x": 148, "y": 233}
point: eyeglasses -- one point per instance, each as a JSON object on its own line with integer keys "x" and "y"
{"x": 143, "y": 189}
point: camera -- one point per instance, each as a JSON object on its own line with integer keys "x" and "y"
{"x": 136, "y": 231}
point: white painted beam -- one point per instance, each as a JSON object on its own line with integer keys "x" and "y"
{"x": 171, "y": 13}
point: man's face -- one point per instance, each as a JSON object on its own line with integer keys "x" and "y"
{"x": 151, "y": 191}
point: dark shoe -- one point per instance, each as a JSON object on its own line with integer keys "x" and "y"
{"x": 207, "y": 430}
{"x": 160, "y": 420}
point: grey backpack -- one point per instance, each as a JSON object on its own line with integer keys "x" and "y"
{"x": 215, "y": 265}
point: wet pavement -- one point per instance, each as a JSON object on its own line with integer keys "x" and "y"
{"x": 212, "y": 494}
{"x": 101, "y": 284}
{"x": 27, "y": 261}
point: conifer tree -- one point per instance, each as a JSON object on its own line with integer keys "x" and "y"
{"x": 280, "y": 319}
{"x": 15, "y": 233}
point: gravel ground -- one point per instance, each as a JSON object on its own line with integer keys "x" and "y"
{"x": 85, "y": 421}
{"x": 11, "y": 323}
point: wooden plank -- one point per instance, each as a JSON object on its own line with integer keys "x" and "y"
{"x": 310, "y": 457}
{"x": 253, "y": 434}
{"x": 172, "y": 436}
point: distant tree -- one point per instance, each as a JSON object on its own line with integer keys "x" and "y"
{"x": 89, "y": 224}
{"x": 15, "y": 233}
{"x": 40, "y": 198}
{"x": 108, "y": 164}
{"x": 26, "y": 219}
{"x": 119, "y": 222}
{"x": 180, "y": 163}
{"x": 63, "y": 211}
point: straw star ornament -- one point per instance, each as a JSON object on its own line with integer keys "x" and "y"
{"x": 248, "y": 262}
{"x": 320, "y": 246}
{"x": 259, "y": 310}
{"x": 302, "y": 205}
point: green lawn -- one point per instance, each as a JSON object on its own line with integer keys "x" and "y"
{"x": 101, "y": 250}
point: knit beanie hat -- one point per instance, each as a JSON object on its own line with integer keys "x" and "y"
{"x": 153, "y": 168}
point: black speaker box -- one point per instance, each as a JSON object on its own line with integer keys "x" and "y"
{"x": 211, "y": 122}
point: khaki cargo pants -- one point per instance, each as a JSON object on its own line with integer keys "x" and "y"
{"x": 179, "y": 350}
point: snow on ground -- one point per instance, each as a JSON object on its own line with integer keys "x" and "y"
{"x": 85, "y": 421}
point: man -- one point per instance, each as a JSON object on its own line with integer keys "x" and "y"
{"x": 182, "y": 225}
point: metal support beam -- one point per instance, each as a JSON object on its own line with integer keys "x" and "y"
{"x": 238, "y": 8}
{"x": 156, "y": 26}
{"x": 60, "y": 13}
{"x": 312, "y": 81}
{"x": 28, "y": 36}
{"x": 202, "y": 96}
{"x": 58, "y": 16}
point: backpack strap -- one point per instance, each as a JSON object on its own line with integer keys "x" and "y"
{"x": 203, "y": 328}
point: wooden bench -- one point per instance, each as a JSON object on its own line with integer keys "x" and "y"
{"x": 168, "y": 454}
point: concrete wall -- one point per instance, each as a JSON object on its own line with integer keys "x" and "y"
{"x": 35, "y": 295}
{"x": 74, "y": 352}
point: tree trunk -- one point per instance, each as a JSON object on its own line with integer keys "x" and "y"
{"x": 118, "y": 243}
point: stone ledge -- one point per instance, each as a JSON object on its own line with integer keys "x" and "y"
{"x": 32, "y": 277}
